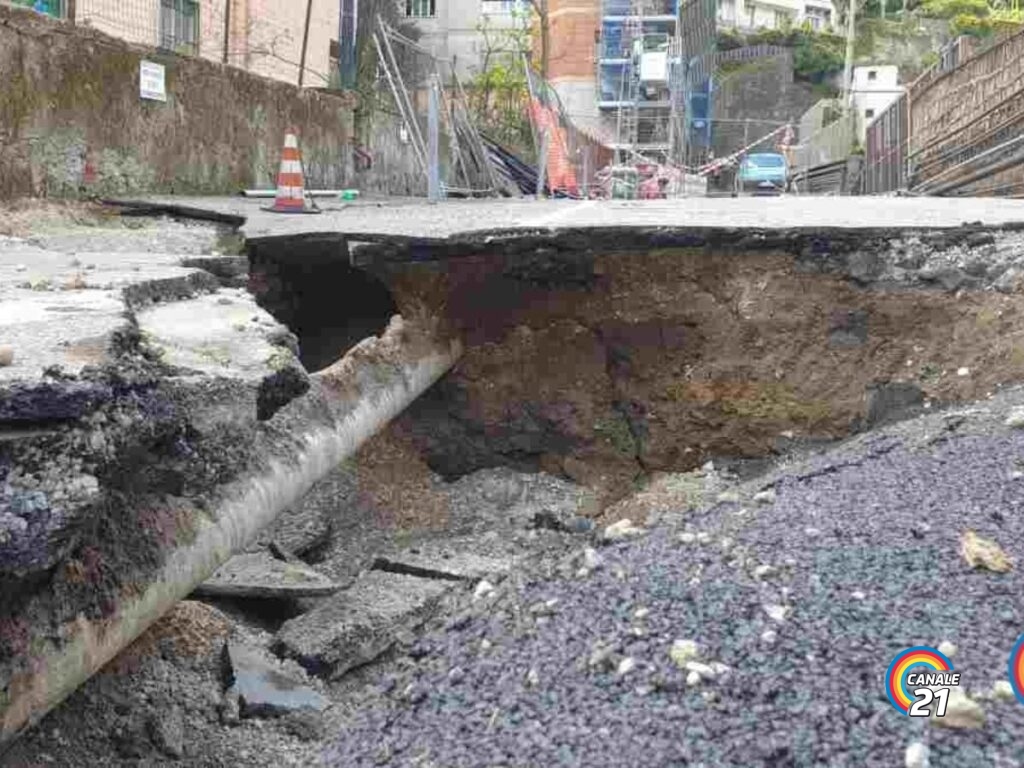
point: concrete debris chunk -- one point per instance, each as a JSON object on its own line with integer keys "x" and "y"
{"x": 766, "y": 496}
{"x": 623, "y": 529}
{"x": 983, "y": 553}
{"x": 1015, "y": 420}
{"x": 916, "y": 755}
{"x": 262, "y": 575}
{"x": 444, "y": 560}
{"x": 263, "y": 688}
{"x": 357, "y": 625}
{"x": 961, "y": 712}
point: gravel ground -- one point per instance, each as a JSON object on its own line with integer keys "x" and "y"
{"x": 864, "y": 542}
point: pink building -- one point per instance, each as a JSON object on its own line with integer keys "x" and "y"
{"x": 261, "y": 36}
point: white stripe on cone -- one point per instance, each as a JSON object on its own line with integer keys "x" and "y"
{"x": 294, "y": 193}
{"x": 291, "y": 166}
{"x": 290, "y": 142}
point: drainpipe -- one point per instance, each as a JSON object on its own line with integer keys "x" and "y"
{"x": 348, "y": 403}
{"x": 305, "y": 41}
{"x": 227, "y": 29}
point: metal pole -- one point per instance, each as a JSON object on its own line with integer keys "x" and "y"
{"x": 542, "y": 165}
{"x": 410, "y": 119}
{"x": 227, "y": 29}
{"x": 434, "y": 170}
{"x": 305, "y": 41}
{"x": 586, "y": 172}
{"x": 72, "y": 11}
{"x": 848, "y": 65}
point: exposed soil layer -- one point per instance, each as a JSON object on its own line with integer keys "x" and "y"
{"x": 604, "y": 367}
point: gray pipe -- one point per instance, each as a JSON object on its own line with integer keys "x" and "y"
{"x": 357, "y": 396}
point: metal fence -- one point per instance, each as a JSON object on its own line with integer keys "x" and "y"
{"x": 885, "y": 150}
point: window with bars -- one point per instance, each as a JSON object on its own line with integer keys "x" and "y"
{"x": 420, "y": 9}
{"x": 179, "y": 26}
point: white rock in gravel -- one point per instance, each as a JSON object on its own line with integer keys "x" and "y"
{"x": 720, "y": 668}
{"x": 486, "y": 645}
{"x": 812, "y": 533}
{"x": 769, "y": 636}
{"x": 961, "y": 712}
{"x": 857, "y": 595}
{"x": 1001, "y": 689}
{"x": 483, "y": 589}
{"x": 592, "y": 559}
{"x": 703, "y": 538}
{"x": 641, "y": 613}
{"x": 1016, "y": 418}
{"x": 1016, "y": 475}
{"x": 776, "y": 612}
{"x": 916, "y": 756}
{"x": 947, "y": 649}
{"x": 683, "y": 652}
{"x": 963, "y": 371}
{"x": 764, "y": 571}
{"x": 687, "y": 538}
{"x": 693, "y": 679}
{"x": 706, "y": 671}
{"x": 766, "y": 496}
{"x": 533, "y": 677}
{"x": 20, "y": 268}
{"x": 623, "y": 529}
{"x": 627, "y": 665}
{"x": 728, "y": 497}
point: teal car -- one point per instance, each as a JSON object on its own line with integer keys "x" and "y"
{"x": 762, "y": 173}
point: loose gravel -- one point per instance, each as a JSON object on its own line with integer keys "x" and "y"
{"x": 862, "y": 553}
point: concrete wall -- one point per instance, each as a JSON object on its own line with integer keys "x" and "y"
{"x": 264, "y": 36}
{"x": 72, "y": 121}
{"x": 755, "y": 100}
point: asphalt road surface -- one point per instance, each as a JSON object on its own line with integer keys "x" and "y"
{"x": 805, "y": 598}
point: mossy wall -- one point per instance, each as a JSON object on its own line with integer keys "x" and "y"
{"x": 72, "y": 122}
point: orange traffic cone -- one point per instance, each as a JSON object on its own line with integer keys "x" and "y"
{"x": 291, "y": 193}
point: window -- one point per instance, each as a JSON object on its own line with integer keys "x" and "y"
{"x": 420, "y": 9}
{"x": 499, "y": 7}
{"x": 872, "y": 74}
{"x": 868, "y": 114}
{"x": 179, "y": 26}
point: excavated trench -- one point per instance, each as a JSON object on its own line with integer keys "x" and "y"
{"x": 607, "y": 356}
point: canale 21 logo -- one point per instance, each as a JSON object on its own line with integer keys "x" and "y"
{"x": 919, "y": 677}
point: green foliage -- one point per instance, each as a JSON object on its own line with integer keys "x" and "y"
{"x": 965, "y": 24}
{"x": 816, "y": 55}
{"x": 498, "y": 92}
{"x": 951, "y": 9}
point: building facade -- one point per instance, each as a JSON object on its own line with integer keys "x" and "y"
{"x": 748, "y": 15}
{"x": 466, "y": 32}
{"x": 264, "y": 37}
{"x": 874, "y": 89}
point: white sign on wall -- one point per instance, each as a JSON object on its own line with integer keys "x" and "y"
{"x": 151, "y": 81}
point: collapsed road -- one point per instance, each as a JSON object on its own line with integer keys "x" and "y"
{"x": 188, "y": 414}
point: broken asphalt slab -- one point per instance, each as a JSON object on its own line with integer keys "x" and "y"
{"x": 259, "y": 575}
{"x": 263, "y": 688}
{"x": 358, "y": 625}
{"x": 450, "y": 559}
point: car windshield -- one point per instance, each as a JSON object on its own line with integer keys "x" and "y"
{"x": 765, "y": 161}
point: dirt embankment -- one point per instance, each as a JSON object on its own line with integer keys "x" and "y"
{"x": 607, "y": 367}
